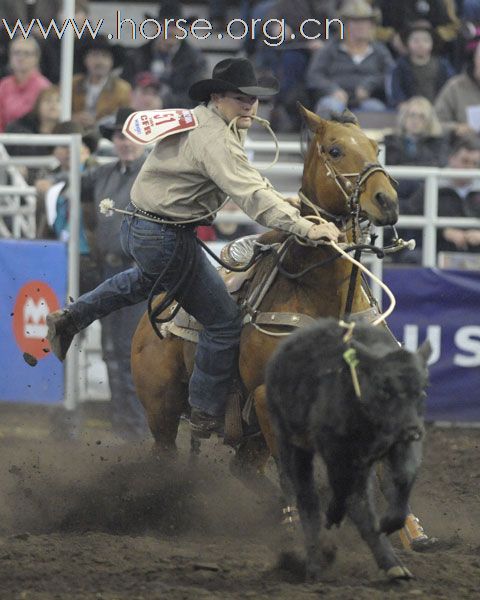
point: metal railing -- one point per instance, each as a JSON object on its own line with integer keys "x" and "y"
{"x": 17, "y": 201}
{"x": 428, "y": 222}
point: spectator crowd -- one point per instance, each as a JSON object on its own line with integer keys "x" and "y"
{"x": 413, "y": 64}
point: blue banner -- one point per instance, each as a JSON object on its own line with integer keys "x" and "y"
{"x": 445, "y": 307}
{"x": 33, "y": 282}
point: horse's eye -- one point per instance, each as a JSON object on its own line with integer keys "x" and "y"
{"x": 335, "y": 152}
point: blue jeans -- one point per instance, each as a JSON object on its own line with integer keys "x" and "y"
{"x": 151, "y": 246}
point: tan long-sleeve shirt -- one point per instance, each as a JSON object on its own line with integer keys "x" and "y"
{"x": 189, "y": 174}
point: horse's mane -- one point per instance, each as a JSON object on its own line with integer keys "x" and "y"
{"x": 345, "y": 118}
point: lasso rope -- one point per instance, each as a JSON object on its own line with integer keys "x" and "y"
{"x": 232, "y": 126}
{"x": 383, "y": 316}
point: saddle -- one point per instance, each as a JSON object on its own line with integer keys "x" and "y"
{"x": 236, "y": 254}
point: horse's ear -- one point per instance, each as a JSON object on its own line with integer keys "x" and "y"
{"x": 313, "y": 121}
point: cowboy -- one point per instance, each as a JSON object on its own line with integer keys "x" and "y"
{"x": 188, "y": 176}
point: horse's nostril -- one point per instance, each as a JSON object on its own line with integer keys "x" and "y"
{"x": 381, "y": 199}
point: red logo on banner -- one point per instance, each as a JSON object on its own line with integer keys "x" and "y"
{"x": 34, "y": 301}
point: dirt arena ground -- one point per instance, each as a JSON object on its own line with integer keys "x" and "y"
{"x": 95, "y": 519}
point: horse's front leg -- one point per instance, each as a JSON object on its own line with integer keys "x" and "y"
{"x": 361, "y": 509}
{"x": 289, "y": 510}
{"x": 403, "y": 460}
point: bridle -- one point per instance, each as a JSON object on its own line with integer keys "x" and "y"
{"x": 351, "y": 190}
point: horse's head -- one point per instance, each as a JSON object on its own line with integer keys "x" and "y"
{"x": 342, "y": 173}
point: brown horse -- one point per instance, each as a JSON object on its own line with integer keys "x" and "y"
{"x": 341, "y": 177}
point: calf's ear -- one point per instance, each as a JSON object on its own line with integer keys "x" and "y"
{"x": 425, "y": 351}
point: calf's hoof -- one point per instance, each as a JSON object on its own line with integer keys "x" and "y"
{"x": 334, "y": 515}
{"x": 399, "y": 572}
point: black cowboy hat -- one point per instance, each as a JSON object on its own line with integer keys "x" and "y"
{"x": 121, "y": 116}
{"x": 101, "y": 44}
{"x": 168, "y": 9}
{"x": 233, "y": 75}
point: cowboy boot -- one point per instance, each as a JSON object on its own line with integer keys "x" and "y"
{"x": 61, "y": 331}
{"x": 202, "y": 424}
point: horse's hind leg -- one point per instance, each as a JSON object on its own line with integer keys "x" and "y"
{"x": 161, "y": 382}
{"x": 361, "y": 509}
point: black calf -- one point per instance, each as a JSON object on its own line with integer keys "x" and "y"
{"x": 315, "y": 409}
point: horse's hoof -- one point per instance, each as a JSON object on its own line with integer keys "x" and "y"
{"x": 399, "y": 572}
{"x": 424, "y": 544}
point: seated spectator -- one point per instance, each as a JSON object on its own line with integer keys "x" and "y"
{"x": 52, "y": 190}
{"x": 146, "y": 92}
{"x": 419, "y": 139}
{"x": 217, "y": 14}
{"x": 41, "y": 119}
{"x": 419, "y": 72}
{"x": 51, "y": 46}
{"x": 175, "y": 62}
{"x": 19, "y": 91}
{"x": 31, "y": 9}
{"x": 11, "y": 10}
{"x": 397, "y": 17}
{"x": 471, "y": 11}
{"x": 265, "y": 58}
{"x": 293, "y": 57}
{"x": 99, "y": 93}
{"x": 351, "y": 73}
{"x": 457, "y": 198}
{"x": 459, "y": 93}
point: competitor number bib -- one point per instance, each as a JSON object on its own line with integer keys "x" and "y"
{"x": 149, "y": 126}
